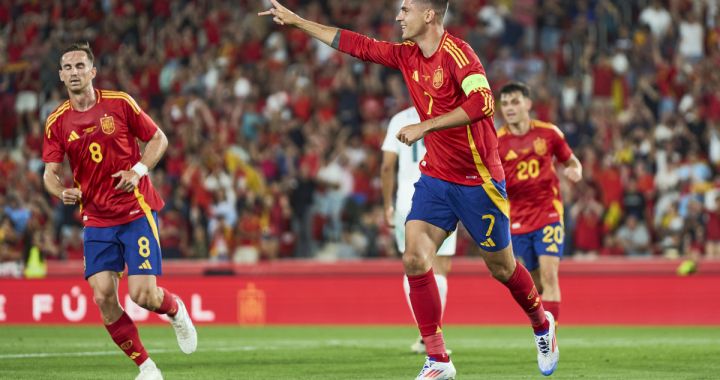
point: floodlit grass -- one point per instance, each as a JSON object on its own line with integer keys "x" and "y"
{"x": 360, "y": 352}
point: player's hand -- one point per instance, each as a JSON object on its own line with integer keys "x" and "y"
{"x": 281, "y": 15}
{"x": 408, "y": 135}
{"x": 128, "y": 180}
{"x": 71, "y": 196}
{"x": 572, "y": 173}
{"x": 390, "y": 216}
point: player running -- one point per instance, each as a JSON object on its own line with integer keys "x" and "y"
{"x": 462, "y": 177}
{"x": 97, "y": 130}
{"x": 401, "y": 161}
{"x": 527, "y": 148}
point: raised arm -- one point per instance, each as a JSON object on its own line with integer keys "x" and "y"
{"x": 283, "y": 16}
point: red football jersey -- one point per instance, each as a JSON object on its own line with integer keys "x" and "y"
{"x": 437, "y": 85}
{"x": 100, "y": 142}
{"x": 532, "y": 183}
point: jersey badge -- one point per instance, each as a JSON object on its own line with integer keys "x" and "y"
{"x": 107, "y": 124}
{"x": 540, "y": 146}
{"x": 511, "y": 155}
{"x": 438, "y": 78}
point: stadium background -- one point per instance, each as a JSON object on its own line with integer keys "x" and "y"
{"x": 272, "y": 175}
{"x": 272, "y": 187}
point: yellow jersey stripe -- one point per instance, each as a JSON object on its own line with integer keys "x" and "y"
{"x": 123, "y": 96}
{"x": 461, "y": 54}
{"x": 500, "y": 202}
{"x": 455, "y": 52}
{"x": 544, "y": 125}
{"x": 457, "y": 60}
{"x": 560, "y": 210}
{"x": 502, "y": 131}
{"x": 148, "y": 214}
{"x": 54, "y": 116}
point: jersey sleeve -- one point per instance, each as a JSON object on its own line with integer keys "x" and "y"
{"x": 369, "y": 49}
{"x": 139, "y": 123}
{"x": 561, "y": 149}
{"x": 469, "y": 74}
{"x": 53, "y": 149}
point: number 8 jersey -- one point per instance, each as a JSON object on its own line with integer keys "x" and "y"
{"x": 100, "y": 142}
{"x": 531, "y": 180}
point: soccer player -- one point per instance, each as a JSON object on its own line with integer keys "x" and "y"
{"x": 401, "y": 161}
{"x": 527, "y": 148}
{"x": 462, "y": 177}
{"x": 98, "y": 131}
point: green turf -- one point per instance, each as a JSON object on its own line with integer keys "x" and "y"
{"x": 320, "y": 352}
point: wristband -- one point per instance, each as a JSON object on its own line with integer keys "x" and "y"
{"x": 141, "y": 169}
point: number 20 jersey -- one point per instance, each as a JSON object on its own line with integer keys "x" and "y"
{"x": 531, "y": 180}
{"x": 100, "y": 142}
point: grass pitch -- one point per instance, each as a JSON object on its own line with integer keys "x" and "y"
{"x": 352, "y": 352}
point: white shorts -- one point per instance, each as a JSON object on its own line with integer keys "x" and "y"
{"x": 448, "y": 246}
{"x": 26, "y": 101}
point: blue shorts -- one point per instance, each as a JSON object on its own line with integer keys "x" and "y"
{"x": 135, "y": 244}
{"x": 548, "y": 240}
{"x": 483, "y": 210}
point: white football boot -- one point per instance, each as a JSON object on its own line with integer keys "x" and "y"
{"x": 548, "y": 351}
{"x": 184, "y": 329}
{"x": 437, "y": 370}
{"x": 149, "y": 371}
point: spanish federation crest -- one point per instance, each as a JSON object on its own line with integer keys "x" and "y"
{"x": 107, "y": 124}
{"x": 438, "y": 77}
{"x": 540, "y": 146}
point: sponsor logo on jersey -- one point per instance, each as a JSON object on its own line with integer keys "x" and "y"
{"x": 73, "y": 136}
{"x": 126, "y": 344}
{"x": 107, "y": 124}
{"x": 91, "y": 129}
{"x": 438, "y": 78}
{"x": 540, "y": 146}
{"x": 416, "y": 76}
{"x": 511, "y": 155}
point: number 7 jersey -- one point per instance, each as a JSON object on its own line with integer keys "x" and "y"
{"x": 531, "y": 180}
{"x": 438, "y": 84}
{"x": 100, "y": 142}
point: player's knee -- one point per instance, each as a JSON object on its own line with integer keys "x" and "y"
{"x": 105, "y": 299}
{"x": 416, "y": 263}
{"x": 500, "y": 271}
{"x": 142, "y": 297}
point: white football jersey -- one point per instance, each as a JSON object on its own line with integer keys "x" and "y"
{"x": 409, "y": 157}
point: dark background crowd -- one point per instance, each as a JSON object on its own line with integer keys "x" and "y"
{"x": 275, "y": 138}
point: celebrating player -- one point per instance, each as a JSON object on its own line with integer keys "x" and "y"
{"x": 527, "y": 148}
{"x": 462, "y": 177}
{"x": 401, "y": 161}
{"x": 97, "y": 129}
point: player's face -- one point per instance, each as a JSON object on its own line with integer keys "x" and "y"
{"x": 76, "y": 71}
{"x": 515, "y": 107}
{"x": 411, "y": 18}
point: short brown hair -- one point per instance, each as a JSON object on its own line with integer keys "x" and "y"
{"x": 439, "y": 6}
{"x": 516, "y": 87}
{"x": 80, "y": 46}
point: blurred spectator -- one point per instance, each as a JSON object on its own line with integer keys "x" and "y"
{"x": 634, "y": 236}
{"x": 274, "y": 136}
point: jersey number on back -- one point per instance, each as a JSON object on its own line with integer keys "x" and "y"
{"x": 95, "y": 152}
{"x": 528, "y": 169}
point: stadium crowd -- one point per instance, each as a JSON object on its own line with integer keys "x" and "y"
{"x": 275, "y": 138}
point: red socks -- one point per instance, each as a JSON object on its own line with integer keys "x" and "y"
{"x": 169, "y": 304}
{"x": 125, "y": 334}
{"x": 425, "y": 300}
{"x": 553, "y": 307}
{"x": 523, "y": 289}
